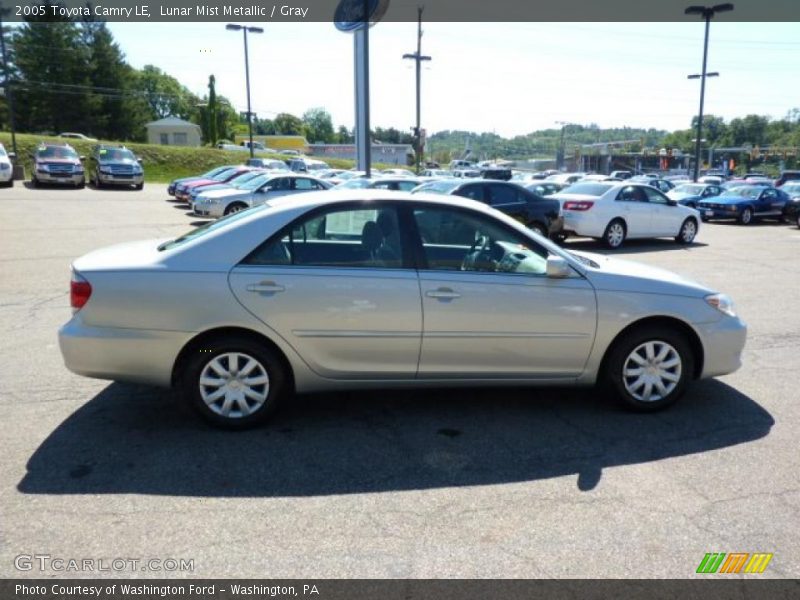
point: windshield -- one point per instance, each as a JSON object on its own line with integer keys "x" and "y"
{"x": 255, "y": 182}
{"x": 210, "y": 226}
{"x": 56, "y": 152}
{"x": 116, "y": 154}
{"x": 588, "y": 189}
{"x": 245, "y": 177}
{"x": 692, "y": 189}
{"x": 791, "y": 188}
{"x": 213, "y": 172}
{"x": 2, "y": 151}
{"x": 743, "y": 191}
{"x": 223, "y": 175}
{"x": 437, "y": 187}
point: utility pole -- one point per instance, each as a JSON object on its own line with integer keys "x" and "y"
{"x": 245, "y": 29}
{"x": 418, "y": 58}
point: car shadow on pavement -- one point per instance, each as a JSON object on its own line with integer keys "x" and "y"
{"x": 629, "y": 247}
{"x": 141, "y": 440}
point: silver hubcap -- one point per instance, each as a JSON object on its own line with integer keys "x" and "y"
{"x": 746, "y": 216}
{"x": 234, "y": 385}
{"x": 616, "y": 233}
{"x": 689, "y": 231}
{"x": 652, "y": 371}
{"x": 235, "y": 209}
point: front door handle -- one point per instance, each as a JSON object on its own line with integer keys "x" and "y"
{"x": 443, "y": 293}
{"x": 265, "y": 287}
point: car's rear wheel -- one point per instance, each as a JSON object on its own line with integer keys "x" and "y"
{"x": 797, "y": 219}
{"x": 746, "y": 217}
{"x": 688, "y": 232}
{"x": 614, "y": 234}
{"x": 235, "y": 207}
{"x": 650, "y": 367}
{"x": 234, "y": 382}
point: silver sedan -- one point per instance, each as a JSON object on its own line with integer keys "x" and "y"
{"x": 377, "y": 289}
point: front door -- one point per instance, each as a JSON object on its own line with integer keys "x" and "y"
{"x": 489, "y": 309}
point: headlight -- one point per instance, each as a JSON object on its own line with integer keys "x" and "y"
{"x": 44, "y": 168}
{"x": 105, "y": 170}
{"x": 722, "y": 303}
{"x": 4, "y": 166}
{"x": 78, "y": 168}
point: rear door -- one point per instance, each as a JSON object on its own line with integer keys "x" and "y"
{"x": 336, "y": 286}
{"x": 632, "y": 204}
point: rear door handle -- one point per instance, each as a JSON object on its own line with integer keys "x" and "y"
{"x": 265, "y": 287}
{"x": 443, "y": 294}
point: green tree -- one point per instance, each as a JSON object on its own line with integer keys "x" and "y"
{"x": 54, "y": 92}
{"x": 211, "y": 115}
{"x": 319, "y": 125}
{"x": 164, "y": 94}
{"x": 288, "y": 124}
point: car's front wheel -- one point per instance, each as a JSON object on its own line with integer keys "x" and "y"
{"x": 746, "y": 217}
{"x": 538, "y": 228}
{"x": 688, "y": 232}
{"x": 234, "y": 382}
{"x": 235, "y": 207}
{"x": 614, "y": 234}
{"x": 797, "y": 220}
{"x": 650, "y": 367}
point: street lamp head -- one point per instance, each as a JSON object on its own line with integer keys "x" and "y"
{"x": 255, "y": 30}
{"x": 233, "y": 27}
{"x": 708, "y": 11}
{"x": 695, "y": 10}
{"x": 722, "y": 7}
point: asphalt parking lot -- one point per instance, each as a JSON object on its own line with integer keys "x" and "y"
{"x": 453, "y": 483}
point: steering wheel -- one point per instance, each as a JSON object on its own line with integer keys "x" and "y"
{"x": 479, "y": 255}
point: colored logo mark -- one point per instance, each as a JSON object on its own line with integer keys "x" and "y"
{"x": 735, "y": 562}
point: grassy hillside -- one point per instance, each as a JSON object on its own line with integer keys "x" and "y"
{"x": 161, "y": 163}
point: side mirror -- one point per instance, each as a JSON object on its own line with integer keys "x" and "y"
{"x": 82, "y": 158}
{"x": 558, "y": 268}
{"x": 139, "y": 160}
{"x": 672, "y": 202}
{"x": 12, "y": 156}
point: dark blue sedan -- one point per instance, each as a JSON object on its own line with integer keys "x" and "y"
{"x": 689, "y": 194}
{"x": 744, "y": 203}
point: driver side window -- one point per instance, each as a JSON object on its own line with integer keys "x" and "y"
{"x": 458, "y": 240}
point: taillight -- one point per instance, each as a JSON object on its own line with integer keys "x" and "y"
{"x": 578, "y": 205}
{"x": 80, "y": 291}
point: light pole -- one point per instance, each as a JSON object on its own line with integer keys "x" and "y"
{"x": 561, "y": 147}
{"x": 245, "y": 29}
{"x": 418, "y": 58}
{"x": 706, "y": 12}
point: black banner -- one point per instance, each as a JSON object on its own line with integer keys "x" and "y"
{"x": 702, "y": 588}
{"x": 396, "y": 10}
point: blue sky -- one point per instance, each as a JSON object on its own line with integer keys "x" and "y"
{"x": 510, "y": 78}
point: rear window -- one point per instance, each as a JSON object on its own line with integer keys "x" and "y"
{"x": 198, "y": 232}
{"x": 438, "y": 187}
{"x": 588, "y": 189}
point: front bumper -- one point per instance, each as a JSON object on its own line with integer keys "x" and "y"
{"x": 110, "y": 179}
{"x": 65, "y": 179}
{"x": 723, "y": 342}
{"x": 208, "y": 210}
{"x": 135, "y": 355}
{"x": 717, "y": 213}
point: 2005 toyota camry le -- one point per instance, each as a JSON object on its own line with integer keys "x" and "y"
{"x": 375, "y": 289}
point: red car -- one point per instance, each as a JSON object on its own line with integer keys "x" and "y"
{"x": 182, "y": 191}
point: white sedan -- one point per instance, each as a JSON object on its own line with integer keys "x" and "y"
{"x": 616, "y": 211}
{"x": 220, "y": 202}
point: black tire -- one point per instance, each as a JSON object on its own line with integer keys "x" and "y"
{"x": 81, "y": 185}
{"x": 97, "y": 183}
{"x": 9, "y": 183}
{"x": 746, "y": 217}
{"x": 615, "y": 233}
{"x": 620, "y": 358}
{"x": 235, "y": 207}
{"x": 797, "y": 220}
{"x": 687, "y": 232}
{"x": 704, "y": 219}
{"x": 197, "y": 365}
{"x": 139, "y": 186}
{"x": 538, "y": 228}
{"x": 35, "y": 182}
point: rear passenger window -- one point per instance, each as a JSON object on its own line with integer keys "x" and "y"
{"x": 353, "y": 238}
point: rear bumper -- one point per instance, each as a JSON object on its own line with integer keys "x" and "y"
{"x": 135, "y": 355}
{"x": 723, "y": 343}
